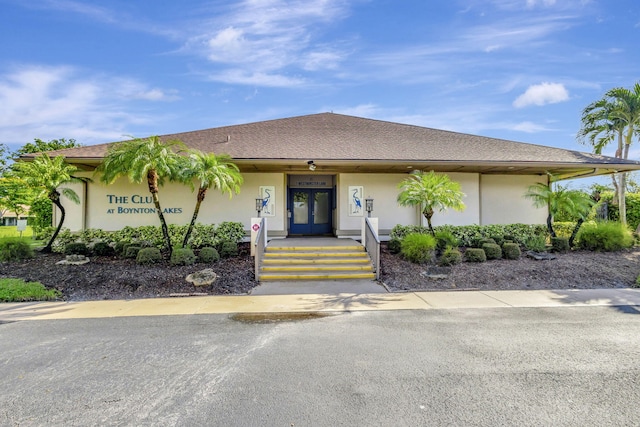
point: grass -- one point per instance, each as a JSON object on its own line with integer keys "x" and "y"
{"x": 12, "y": 231}
{"x": 17, "y": 290}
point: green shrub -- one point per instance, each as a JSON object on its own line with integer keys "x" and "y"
{"x": 467, "y": 234}
{"x": 536, "y": 243}
{"x": 76, "y": 248}
{"x": 103, "y": 249}
{"x": 418, "y": 248}
{"x": 633, "y": 208}
{"x": 400, "y": 231}
{"x": 559, "y": 244}
{"x": 563, "y": 229}
{"x": 208, "y": 255}
{"x": 132, "y": 251}
{"x": 479, "y": 242}
{"x": 509, "y": 237}
{"x": 510, "y": 250}
{"x": 228, "y": 249}
{"x": 147, "y": 256}
{"x": 182, "y": 256}
{"x": 229, "y": 232}
{"x": 120, "y": 247}
{"x": 394, "y": 245}
{"x": 444, "y": 239}
{"x": 498, "y": 239}
{"x": 450, "y": 256}
{"x": 605, "y": 236}
{"x": 475, "y": 255}
{"x": 17, "y": 290}
{"x": 15, "y": 249}
{"x": 492, "y": 250}
{"x": 637, "y": 283}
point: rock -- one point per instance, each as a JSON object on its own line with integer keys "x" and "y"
{"x": 437, "y": 272}
{"x": 202, "y": 278}
{"x": 540, "y": 256}
{"x": 74, "y": 260}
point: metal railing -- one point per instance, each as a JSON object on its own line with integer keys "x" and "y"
{"x": 372, "y": 246}
{"x": 260, "y": 245}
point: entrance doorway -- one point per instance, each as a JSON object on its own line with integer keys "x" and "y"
{"x": 310, "y": 211}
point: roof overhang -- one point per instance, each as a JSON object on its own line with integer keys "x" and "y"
{"x": 558, "y": 171}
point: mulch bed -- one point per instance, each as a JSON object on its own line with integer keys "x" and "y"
{"x": 113, "y": 278}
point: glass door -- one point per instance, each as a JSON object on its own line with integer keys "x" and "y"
{"x": 310, "y": 211}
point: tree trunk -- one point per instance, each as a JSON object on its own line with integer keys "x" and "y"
{"x": 196, "y": 211}
{"x": 574, "y": 233}
{"x": 552, "y": 232}
{"x": 55, "y": 198}
{"x": 428, "y": 213}
{"x": 622, "y": 201}
{"x": 152, "y": 181}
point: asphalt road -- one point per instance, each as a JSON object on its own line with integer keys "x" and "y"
{"x": 486, "y": 367}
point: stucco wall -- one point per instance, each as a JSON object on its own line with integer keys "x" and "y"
{"x": 502, "y": 201}
{"x": 470, "y": 185}
{"x": 383, "y": 188}
{"x": 111, "y": 207}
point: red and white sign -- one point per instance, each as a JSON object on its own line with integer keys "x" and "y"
{"x": 255, "y": 227}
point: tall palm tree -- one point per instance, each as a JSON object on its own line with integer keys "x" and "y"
{"x": 149, "y": 160}
{"x": 574, "y": 203}
{"x": 46, "y": 175}
{"x": 617, "y": 115}
{"x": 431, "y": 191}
{"x": 211, "y": 171}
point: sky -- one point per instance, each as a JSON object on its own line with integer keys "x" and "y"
{"x": 104, "y": 71}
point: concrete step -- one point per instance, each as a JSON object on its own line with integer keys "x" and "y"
{"x": 317, "y": 276}
{"x": 340, "y": 262}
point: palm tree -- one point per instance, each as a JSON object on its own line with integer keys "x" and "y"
{"x": 432, "y": 192}
{"x": 149, "y": 160}
{"x": 46, "y": 175}
{"x": 211, "y": 171}
{"x": 616, "y": 115}
{"x": 573, "y": 203}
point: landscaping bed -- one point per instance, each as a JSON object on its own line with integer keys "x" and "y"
{"x": 117, "y": 278}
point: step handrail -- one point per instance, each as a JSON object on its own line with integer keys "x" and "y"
{"x": 372, "y": 246}
{"x": 260, "y": 245}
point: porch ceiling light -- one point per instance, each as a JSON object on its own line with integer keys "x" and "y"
{"x": 312, "y": 165}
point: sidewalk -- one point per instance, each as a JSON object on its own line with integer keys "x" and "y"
{"x": 319, "y": 303}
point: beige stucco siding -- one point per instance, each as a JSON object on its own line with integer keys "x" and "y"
{"x": 502, "y": 201}
{"x": 383, "y": 188}
{"x": 470, "y": 185}
{"x": 112, "y": 207}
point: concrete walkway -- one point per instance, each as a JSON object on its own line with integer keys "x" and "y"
{"x": 319, "y": 303}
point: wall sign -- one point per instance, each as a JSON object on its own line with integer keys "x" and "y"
{"x": 310, "y": 181}
{"x": 268, "y": 195}
{"x": 135, "y": 204}
{"x": 356, "y": 200}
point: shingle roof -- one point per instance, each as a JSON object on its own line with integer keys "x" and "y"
{"x": 329, "y": 138}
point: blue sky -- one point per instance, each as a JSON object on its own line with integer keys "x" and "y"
{"x": 515, "y": 69}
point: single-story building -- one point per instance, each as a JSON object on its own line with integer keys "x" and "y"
{"x": 314, "y": 173}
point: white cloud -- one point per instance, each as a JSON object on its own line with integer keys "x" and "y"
{"x": 542, "y": 94}
{"x": 264, "y": 38}
{"x": 240, "y": 76}
{"x": 60, "y": 102}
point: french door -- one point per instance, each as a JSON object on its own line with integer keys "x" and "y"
{"x": 310, "y": 211}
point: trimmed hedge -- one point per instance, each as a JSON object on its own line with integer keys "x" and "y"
{"x": 182, "y": 256}
{"x": 466, "y": 234}
{"x": 208, "y": 255}
{"x": 492, "y": 250}
{"x": 148, "y": 256}
{"x": 559, "y": 244}
{"x": 511, "y": 250}
{"x": 475, "y": 255}
{"x": 450, "y": 256}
